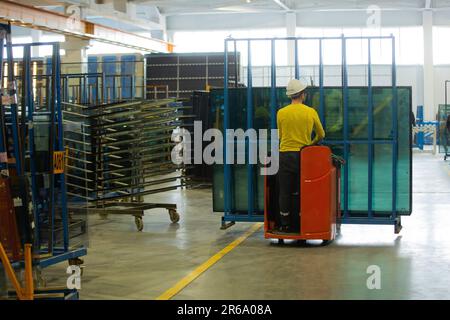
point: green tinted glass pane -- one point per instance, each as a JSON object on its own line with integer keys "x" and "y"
{"x": 239, "y": 191}
{"x": 218, "y": 188}
{"x": 260, "y": 190}
{"x": 357, "y": 113}
{"x": 382, "y": 181}
{"x": 404, "y": 174}
{"x": 357, "y": 178}
{"x": 334, "y": 121}
{"x": 382, "y": 113}
{"x": 240, "y": 187}
{"x": 444, "y": 135}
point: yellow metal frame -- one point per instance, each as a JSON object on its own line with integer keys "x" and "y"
{"x": 26, "y": 293}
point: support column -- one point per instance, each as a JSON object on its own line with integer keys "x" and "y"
{"x": 163, "y": 22}
{"x": 428, "y": 68}
{"x": 75, "y": 58}
{"x": 36, "y": 36}
{"x": 291, "y": 26}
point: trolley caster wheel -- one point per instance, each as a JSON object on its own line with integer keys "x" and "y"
{"x": 41, "y": 282}
{"x": 174, "y": 216}
{"x": 280, "y": 241}
{"x": 39, "y": 279}
{"x": 301, "y": 242}
{"x": 398, "y": 228}
{"x": 76, "y": 262}
{"x": 139, "y": 223}
{"x": 325, "y": 242}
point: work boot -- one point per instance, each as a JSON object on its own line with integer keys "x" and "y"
{"x": 285, "y": 221}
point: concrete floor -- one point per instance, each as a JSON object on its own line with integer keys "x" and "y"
{"x": 125, "y": 264}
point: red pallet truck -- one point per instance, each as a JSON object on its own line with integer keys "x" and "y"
{"x": 317, "y": 205}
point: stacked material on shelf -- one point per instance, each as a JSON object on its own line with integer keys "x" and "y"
{"x": 357, "y": 165}
{"x": 122, "y": 150}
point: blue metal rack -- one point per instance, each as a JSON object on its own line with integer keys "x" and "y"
{"x": 423, "y": 138}
{"x": 45, "y": 252}
{"x": 394, "y": 218}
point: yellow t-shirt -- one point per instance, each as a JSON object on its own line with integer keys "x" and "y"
{"x": 295, "y": 124}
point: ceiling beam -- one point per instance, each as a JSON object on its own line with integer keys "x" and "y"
{"x": 32, "y": 17}
{"x": 96, "y": 11}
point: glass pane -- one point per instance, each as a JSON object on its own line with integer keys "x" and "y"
{"x": 218, "y": 188}
{"x": 382, "y": 113}
{"x": 358, "y": 178}
{"x": 382, "y": 181}
{"x": 334, "y": 123}
{"x": 240, "y": 188}
{"x": 357, "y": 113}
{"x": 404, "y": 174}
{"x": 444, "y": 134}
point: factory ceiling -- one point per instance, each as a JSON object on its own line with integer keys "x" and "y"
{"x": 155, "y": 16}
{"x": 178, "y": 7}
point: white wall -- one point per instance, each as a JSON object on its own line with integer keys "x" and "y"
{"x": 306, "y": 19}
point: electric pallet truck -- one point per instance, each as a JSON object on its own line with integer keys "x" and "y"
{"x": 315, "y": 210}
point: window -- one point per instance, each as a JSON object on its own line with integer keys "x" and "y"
{"x": 441, "y": 45}
{"x": 213, "y": 41}
{"x": 409, "y": 45}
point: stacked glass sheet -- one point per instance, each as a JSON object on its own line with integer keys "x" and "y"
{"x": 444, "y": 137}
{"x": 334, "y": 126}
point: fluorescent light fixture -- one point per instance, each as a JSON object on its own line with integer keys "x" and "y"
{"x": 237, "y": 9}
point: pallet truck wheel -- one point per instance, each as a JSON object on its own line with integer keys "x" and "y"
{"x": 139, "y": 223}
{"x": 174, "y": 216}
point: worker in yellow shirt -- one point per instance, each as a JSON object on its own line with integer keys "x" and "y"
{"x": 296, "y": 123}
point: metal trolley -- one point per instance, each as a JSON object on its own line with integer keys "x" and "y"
{"x": 393, "y": 217}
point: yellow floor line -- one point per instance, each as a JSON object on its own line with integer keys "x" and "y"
{"x": 180, "y": 285}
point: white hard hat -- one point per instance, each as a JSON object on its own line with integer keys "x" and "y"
{"x": 295, "y": 86}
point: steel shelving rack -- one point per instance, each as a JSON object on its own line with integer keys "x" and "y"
{"x": 50, "y": 223}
